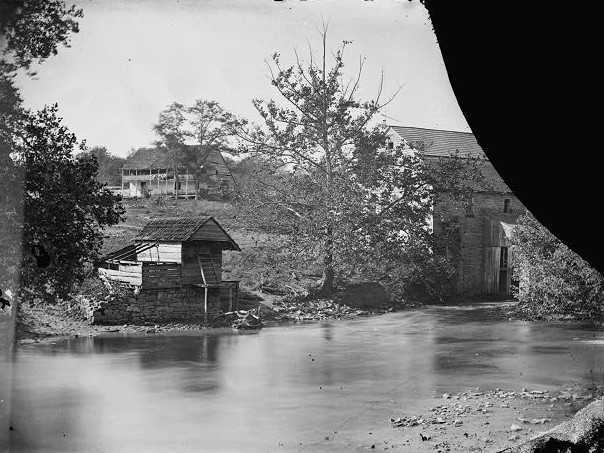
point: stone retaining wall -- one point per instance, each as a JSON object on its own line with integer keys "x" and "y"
{"x": 156, "y": 305}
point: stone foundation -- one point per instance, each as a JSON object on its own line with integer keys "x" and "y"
{"x": 156, "y": 305}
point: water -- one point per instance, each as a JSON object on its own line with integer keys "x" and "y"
{"x": 281, "y": 388}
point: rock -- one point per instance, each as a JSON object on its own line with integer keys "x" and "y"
{"x": 514, "y": 428}
{"x": 368, "y": 295}
{"x": 584, "y": 432}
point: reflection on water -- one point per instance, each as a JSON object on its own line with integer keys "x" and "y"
{"x": 274, "y": 389}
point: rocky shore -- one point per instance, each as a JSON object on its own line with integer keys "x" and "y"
{"x": 485, "y": 420}
{"x": 43, "y": 322}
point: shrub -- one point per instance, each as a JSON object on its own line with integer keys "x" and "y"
{"x": 553, "y": 279}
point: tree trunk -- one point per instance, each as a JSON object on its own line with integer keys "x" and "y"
{"x": 175, "y": 188}
{"x": 326, "y": 285}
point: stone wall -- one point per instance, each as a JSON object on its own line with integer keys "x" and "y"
{"x": 470, "y": 264}
{"x": 156, "y": 305}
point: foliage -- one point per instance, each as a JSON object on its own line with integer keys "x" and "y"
{"x": 205, "y": 123}
{"x": 109, "y": 165}
{"x": 65, "y": 207}
{"x": 323, "y": 179}
{"x": 30, "y": 32}
{"x": 552, "y": 278}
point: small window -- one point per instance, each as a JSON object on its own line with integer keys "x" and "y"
{"x": 506, "y": 205}
{"x": 390, "y": 144}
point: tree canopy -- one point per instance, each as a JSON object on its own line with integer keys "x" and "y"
{"x": 30, "y": 32}
{"x": 205, "y": 123}
{"x": 325, "y": 179}
{"x": 65, "y": 207}
{"x": 109, "y": 166}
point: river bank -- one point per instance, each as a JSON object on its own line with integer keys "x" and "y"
{"x": 453, "y": 415}
{"x": 41, "y": 322}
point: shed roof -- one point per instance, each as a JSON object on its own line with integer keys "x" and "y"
{"x": 183, "y": 229}
{"x": 441, "y": 143}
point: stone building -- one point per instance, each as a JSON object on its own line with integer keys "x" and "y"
{"x": 483, "y": 256}
{"x": 174, "y": 266}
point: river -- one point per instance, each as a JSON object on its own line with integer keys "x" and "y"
{"x": 285, "y": 388}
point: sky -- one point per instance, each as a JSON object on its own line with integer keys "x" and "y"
{"x": 132, "y": 58}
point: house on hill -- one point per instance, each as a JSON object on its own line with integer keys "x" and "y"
{"x": 175, "y": 266}
{"x": 150, "y": 171}
{"x": 483, "y": 255}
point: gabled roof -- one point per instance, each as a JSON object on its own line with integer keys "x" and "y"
{"x": 441, "y": 143}
{"x": 158, "y": 158}
{"x": 183, "y": 229}
{"x": 147, "y": 158}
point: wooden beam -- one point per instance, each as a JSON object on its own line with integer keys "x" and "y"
{"x": 201, "y": 270}
{"x": 205, "y": 305}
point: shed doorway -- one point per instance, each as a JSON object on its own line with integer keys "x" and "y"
{"x": 504, "y": 271}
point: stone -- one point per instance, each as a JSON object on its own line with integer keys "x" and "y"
{"x": 583, "y": 432}
{"x": 365, "y": 295}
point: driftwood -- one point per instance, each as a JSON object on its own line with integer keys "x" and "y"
{"x": 241, "y": 319}
{"x": 582, "y": 434}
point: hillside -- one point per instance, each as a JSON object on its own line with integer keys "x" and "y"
{"x": 261, "y": 266}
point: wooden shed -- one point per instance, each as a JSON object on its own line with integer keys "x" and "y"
{"x": 177, "y": 253}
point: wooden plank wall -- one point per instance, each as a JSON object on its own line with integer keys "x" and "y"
{"x": 209, "y": 231}
{"x": 216, "y": 253}
{"x": 191, "y": 273}
{"x": 132, "y": 276}
{"x": 491, "y": 232}
{"x": 165, "y": 252}
{"x": 161, "y": 275}
{"x": 492, "y": 255}
{"x": 217, "y": 166}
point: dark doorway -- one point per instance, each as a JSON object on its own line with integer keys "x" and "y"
{"x": 504, "y": 274}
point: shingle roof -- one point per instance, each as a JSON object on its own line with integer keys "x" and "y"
{"x": 181, "y": 229}
{"x": 146, "y": 158}
{"x": 158, "y": 157}
{"x": 441, "y": 143}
